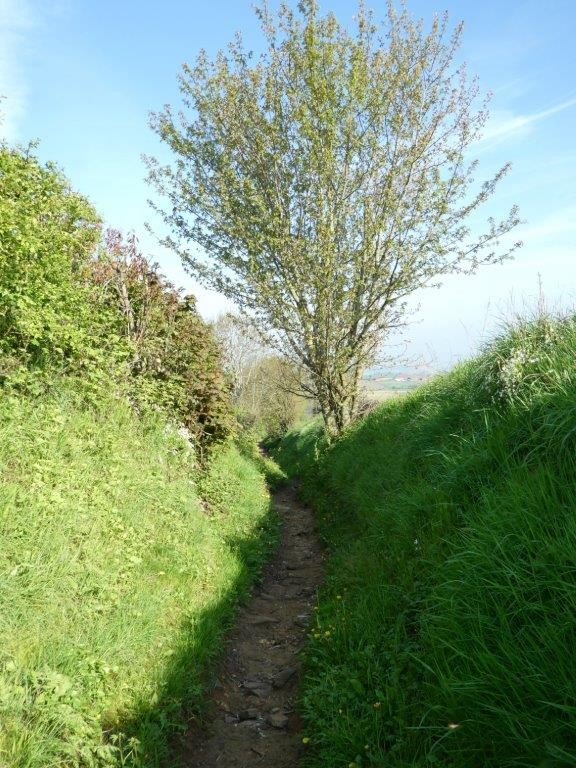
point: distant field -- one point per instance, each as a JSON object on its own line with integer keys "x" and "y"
{"x": 387, "y": 386}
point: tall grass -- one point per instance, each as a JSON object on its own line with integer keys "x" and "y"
{"x": 116, "y": 581}
{"x": 447, "y": 631}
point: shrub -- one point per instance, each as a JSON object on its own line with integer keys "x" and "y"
{"x": 174, "y": 362}
{"x": 47, "y": 233}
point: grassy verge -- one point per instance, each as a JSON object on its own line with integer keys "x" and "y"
{"x": 446, "y": 634}
{"x": 116, "y": 581}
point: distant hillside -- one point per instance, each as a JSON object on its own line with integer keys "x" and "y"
{"x": 380, "y": 383}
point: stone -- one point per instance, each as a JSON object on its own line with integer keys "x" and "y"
{"x": 256, "y": 688}
{"x": 260, "y": 620}
{"x": 277, "y": 720}
{"x": 248, "y": 714}
{"x": 281, "y": 678}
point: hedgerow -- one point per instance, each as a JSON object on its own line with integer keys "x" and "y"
{"x": 87, "y": 304}
{"x": 114, "y": 418}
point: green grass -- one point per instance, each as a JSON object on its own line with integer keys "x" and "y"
{"x": 446, "y": 633}
{"x": 116, "y": 581}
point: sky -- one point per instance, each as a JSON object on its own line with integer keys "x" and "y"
{"x": 82, "y": 77}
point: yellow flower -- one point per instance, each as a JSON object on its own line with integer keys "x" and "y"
{"x": 305, "y": 740}
{"x": 338, "y": 597}
{"x": 376, "y": 705}
{"x": 327, "y": 633}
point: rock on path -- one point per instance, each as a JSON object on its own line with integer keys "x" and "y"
{"x": 252, "y": 719}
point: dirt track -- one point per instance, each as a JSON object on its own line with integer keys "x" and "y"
{"x": 252, "y": 719}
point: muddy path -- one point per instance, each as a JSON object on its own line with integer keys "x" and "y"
{"x": 252, "y": 719}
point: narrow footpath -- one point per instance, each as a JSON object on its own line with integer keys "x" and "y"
{"x": 252, "y": 719}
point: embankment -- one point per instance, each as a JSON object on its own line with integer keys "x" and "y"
{"x": 446, "y": 634}
{"x": 120, "y": 566}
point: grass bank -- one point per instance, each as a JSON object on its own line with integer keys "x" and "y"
{"x": 446, "y": 634}
{"x": 120, "y": 566}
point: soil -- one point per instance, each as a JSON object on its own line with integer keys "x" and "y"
{"x": 252, "y": 718}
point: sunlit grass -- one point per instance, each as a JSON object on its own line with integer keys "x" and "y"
{"x": 116, "y": 583}
{"x": 451, "y": 597}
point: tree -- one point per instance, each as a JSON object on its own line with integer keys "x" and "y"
{"x": 278, "y": 407}
{"x": 263, "y": 382}
{"x": 242, "y": 352}
{"x": 327, "y": 181}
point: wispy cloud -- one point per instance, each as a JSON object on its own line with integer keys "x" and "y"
{"x": 552, "y": 228}
{"x": 15, "y": 23}
{"x": 504, "y": 124}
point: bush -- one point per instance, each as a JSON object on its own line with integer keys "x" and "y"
{"x": 174, "y": 362}
{"x": 98, "y": 311}
{"x": 111, "y": 606}
{"x": 47, "y": 232}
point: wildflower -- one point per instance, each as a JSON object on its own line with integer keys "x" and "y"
{"x": 327, "y": 633}
{"x": 376, "y": 705}
{"x": 338, "y": 597}
{"x": 306, "y": 740}
{"x": 452, "y": 726}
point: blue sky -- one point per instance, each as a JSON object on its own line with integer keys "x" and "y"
{"x": 81, "y": 76}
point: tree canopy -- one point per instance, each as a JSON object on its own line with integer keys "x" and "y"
{"x": 327, "y": 180}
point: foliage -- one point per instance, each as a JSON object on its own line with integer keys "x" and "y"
{"x": 275, "y": 404}
{"x": 111, "y": 605}
{"x": 264, "y": 384}
{"x": 242, "y": 352}
{"x": 47, "y": 232}
{"x": 444, "y": 633}
{"x": 115, "y": 584}
{"x": 327, "y": 181}
{"x": 105, "y": 313}
{"x": 249, "y": 445}
{"x": 522, "y": 362}
{"x": 175, "y": 362}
